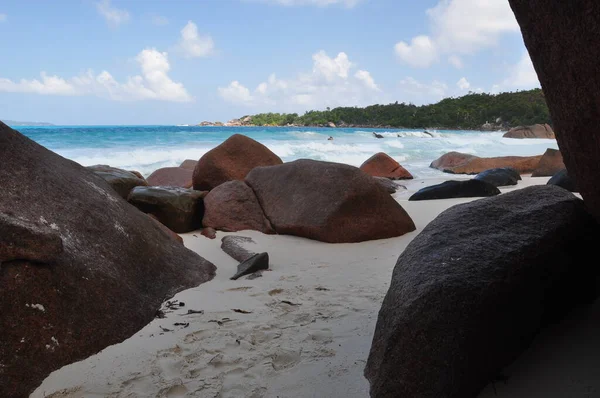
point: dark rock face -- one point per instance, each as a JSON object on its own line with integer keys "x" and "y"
{"x": 499, "y": 177}
{"x": 472, "y": 290}
{"x": 115, "y": 269}
{"x": 171, "y": 177}
{"x": 257, "y": 262}
{"x": 189, "y": 164}
{"x": 389, "y": 185}
{"x": 550, "y": 164}
{"x": 232, "y": 206}
{"x": 456, "y": 189}
{"x": 24, "y": 240}
{"x": 122, "y": 181}
{"x": 382, "y": 165}
{"x": 166, "y": 230}
{"x": 232, "y": 160}
{"x": 535, "y": 131}
{"x": 563, "y": 180}
{"x": 179, "y": 209}
{"x": 234, "y": 246}
{"x": 462, "y": 163}
{"x": 329, "y": 202}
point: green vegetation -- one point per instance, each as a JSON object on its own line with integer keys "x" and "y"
{"x": 468, "y": 112}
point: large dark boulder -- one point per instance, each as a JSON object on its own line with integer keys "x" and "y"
{"x": 179, "y": 209}
{"x": 171, "y": 177}
{"x": 472, "y": 290}
{"x": 383, "y": 165}
{"x": 456, "y": 189}
{"x": 232, "y": 160}
{"x": 562, "y": 40}
{"x": 534, "y": 131}
{"x": 114, "y": 270}
{"x": 233, "y": 206}
{"x": 563, "y": 180}
{"x": 329, "y": 202}
{"x": 550, "y": 164}
{"x": 462, "y": 163}
{"x": 122, "y": 181}
{"x": 499, "y": 177}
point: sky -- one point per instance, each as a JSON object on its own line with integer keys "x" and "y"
{"x": 103, "y": 62}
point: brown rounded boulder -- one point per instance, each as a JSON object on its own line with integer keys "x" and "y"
{"x": 462, "y": 163}
{"x": 189, "y": 164}
{"x": 550, "y": 164}
{"x": 383, "y": 165}
{"x": 171, "y": 177}
{"x": 328, "y": 202}
{"x": 122, "y": 181}
{"x": 232, "y": 207}
{"x": 534, "y": 131}
{"x": 232, "y": 160}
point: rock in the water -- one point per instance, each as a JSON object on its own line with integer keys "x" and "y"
{"x": 24, "y": 240}
{"x": 563, "y": 179}
{"x": 456, "y": 189}
{"x": 232, "y": 207}
{"x": 329, "y": 202}
{"x": 377, "y": 135}
{"x": 550, "y": 164}
{"x": 122, "y": 181}
{"x": 115, "y": 269}
{"x": 534, "y": 131}
{"x": 189, "y": 164}
{"x": 179, "y": 209}
{"x": 249, "y": 266}
{"x": 234, "y": 246}
{"x": 471, "y": 291}
{"x": 499, "y": 177}
{"x": 171, "y": 177}
{"x": 462, "y": 163}
{"x": 232, "y": 160}
{"x": 382, "y": 165}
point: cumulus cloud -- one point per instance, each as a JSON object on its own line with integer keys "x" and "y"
{"x": 463, "y": 84}
{"x": 332, "y": 82}
{"x": 459, "y": 27}
{"x": 113, "y": 16}
{"x": 3, "y": 17}
{"x": 522, "y": 75}
{"x": 194, "y": 45}
{"x": 455, "y": 61}
{"x": 154, "y": 83}
{"x": 419, "y": 92}
{"x": 318, "y": 3}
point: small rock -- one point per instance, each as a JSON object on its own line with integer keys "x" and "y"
{"x": 251, "y": 265}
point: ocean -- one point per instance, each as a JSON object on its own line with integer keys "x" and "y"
{"x": 147, "y": 148}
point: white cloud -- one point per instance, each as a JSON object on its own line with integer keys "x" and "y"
{"x": 463, "y": 84}
{"x": 318, "y": 3}
{"x": 459, "y": 27}
{"x": 422, "y": 92}
{"x": 522, "y": 75}
{"x": 3, "y": 17}
{"x": 332, "y": 82}
{"x": 194, "y": 45}
{"x": 455, "y": 61}
{"x": 153, "y": 83}
{"x": 159, "y": 20}
{"x": 114, "y": 16}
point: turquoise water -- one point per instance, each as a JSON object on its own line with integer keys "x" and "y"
{"x": 147, "y": 148}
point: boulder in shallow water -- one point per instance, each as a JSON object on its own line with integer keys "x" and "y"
{"x": 564, "y": 180}
{"x": 329, "y": 202}
{"x": 180, "y": 209}
{"x": 232, "y": 160}
{"x": 171, "y": 177}
{"x": 115, "y": 269}
{"x": 471, "y": 291}
{"x": 122, "y": 181}
{"x": 499, "y": 177}
{"x": 456, "y": 189}
{"x": 382, "y": 165}
{"x": 462, "y": 163}
{"x": 534, "y": 131}
{"x": 550, "y": 164}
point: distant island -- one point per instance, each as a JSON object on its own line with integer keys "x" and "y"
{"x": 474, "y": 111}
{"x": 15, "y": 123}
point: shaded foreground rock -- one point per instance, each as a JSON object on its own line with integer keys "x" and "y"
{"x": 179, "y": 209}
{"x": 534, "y": 131}
{"x": 166, "y": 230}
{"x": 389, "y": 185}
{"x": 563, "y": 180}
{"x": 382, "y": 165}
{"x": 456, "y": 189}
{"x": 550, "y": 164}
{"x": 462, "y": 163}
{"x": 122, "y": 181}
{"x": 329, "y": 202}
{"x": 234, "y": 246}
{"x": 232, "y": 207}
{"x": 171, "y": 177}
{"x": 115, "y": 270}
{"x": 257, "y": 262}
{"x": 499, "y": 177}
{"x": 24, "y": 240}
{"x": 472, "y": 290}
{"x": 232, "y": 160}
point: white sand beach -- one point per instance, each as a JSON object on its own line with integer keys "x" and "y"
{"x": 304, "y": 329}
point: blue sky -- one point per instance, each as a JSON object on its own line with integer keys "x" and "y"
{"x": 186, "y": 61}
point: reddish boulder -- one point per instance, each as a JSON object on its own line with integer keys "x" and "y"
{"x": 171, "y": 177}
{"x": 329, "y": 202}
{"x": 233, "y": 206}
{"x": 189, "y": 164}
{"x": 462, "y": 163}
{"x": 550, "y": 164}
{"x": 382, "y": 165}
{"x": 232, "y": 160}
{"x": 535, "y": 131}
{"x": 115, "y": 269}
{"x": 122, "y": 181}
